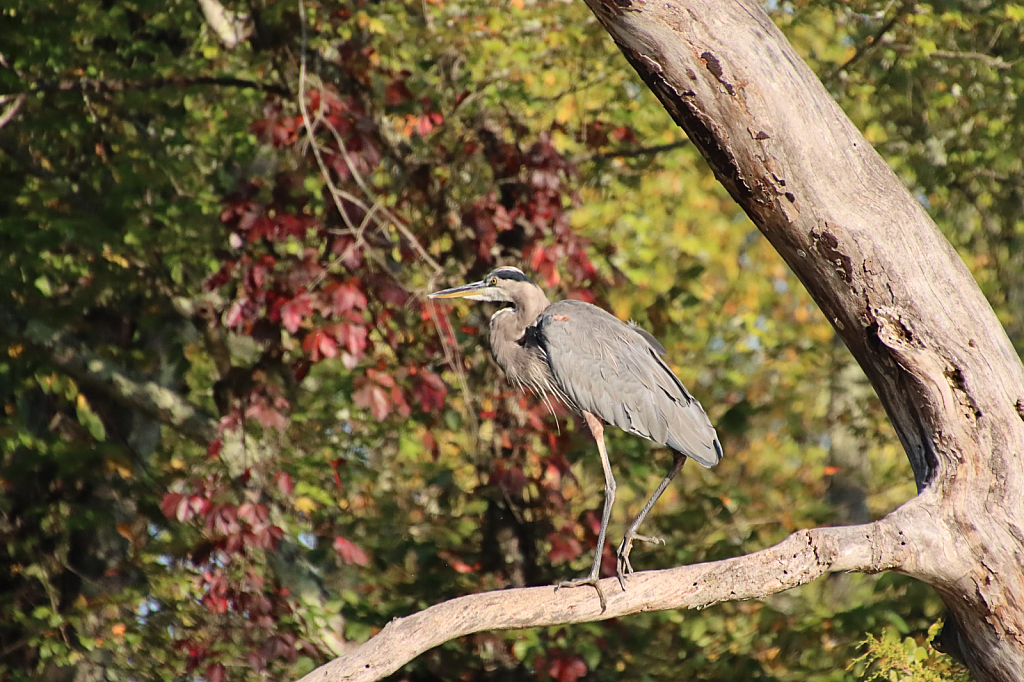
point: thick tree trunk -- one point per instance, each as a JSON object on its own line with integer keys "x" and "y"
{"x": 896, "y": 292}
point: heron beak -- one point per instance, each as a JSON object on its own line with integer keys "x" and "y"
{"x": 477, "y": 291}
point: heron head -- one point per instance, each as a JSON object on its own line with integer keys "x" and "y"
{"x": 505, "y": 284}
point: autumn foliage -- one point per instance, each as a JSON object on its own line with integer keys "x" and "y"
{"x": 250, "y": 233}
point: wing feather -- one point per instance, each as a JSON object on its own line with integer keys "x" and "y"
{"x": 612, "y": 369}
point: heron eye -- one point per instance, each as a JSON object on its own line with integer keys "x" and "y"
{"x": 494, "y": 281}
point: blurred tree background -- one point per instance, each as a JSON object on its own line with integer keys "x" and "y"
{"x": 238, "y": 440}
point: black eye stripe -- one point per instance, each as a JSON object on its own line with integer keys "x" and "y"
{"x": 509, "y": 273}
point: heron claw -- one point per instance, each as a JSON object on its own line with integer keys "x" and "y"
{"x": 653, "y": 539}
{"x": 592, "y": 580}
{"x": 623, "y": 568}
{"x": 622, "y": 565}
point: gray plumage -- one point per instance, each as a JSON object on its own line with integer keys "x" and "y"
{"x": 607, "y": 367}
{"x": 596, "y": 364}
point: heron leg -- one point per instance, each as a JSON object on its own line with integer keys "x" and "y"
{"x": 622, "y": 566}
{"x": 597, "y": 429}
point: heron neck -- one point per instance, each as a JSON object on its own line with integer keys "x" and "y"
{"x": 509, "y": 324}
{"x": 527, "y": 312}
{"x": 521, "y": 364}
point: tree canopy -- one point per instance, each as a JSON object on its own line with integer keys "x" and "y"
{"x": 237, "y": 437}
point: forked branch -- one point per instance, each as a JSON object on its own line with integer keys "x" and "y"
{"x": 799, "y": 559}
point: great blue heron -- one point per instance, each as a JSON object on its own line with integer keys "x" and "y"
{"x": 604, "y": 369}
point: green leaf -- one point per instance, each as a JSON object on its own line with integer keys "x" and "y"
{"x": 43, "y": 284}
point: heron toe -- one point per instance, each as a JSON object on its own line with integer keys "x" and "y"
{"x": 593, "y": 580}
{"x": 622, "y": 565}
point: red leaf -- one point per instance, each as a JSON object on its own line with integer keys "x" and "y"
{"x": 284, "y": 483}
{"x": 221, "y": 277}
{"x": 294, "y": 310}
{"x": 249, "y": 513}
{"x": 345, "y": 297}
{"x": 385, "y": 380}
{"x": 187, "y": 507}
{"x": 430, "y": 391}
{"x": 169, "y": 505}
{"x": 261, "y": 129}
{"x": 327, "y": 346}
{"x": 311, "y": 345}
{"x": 349, "y": 250}
{"x": 271, "y": 418}
{"x": 353, "y": 336}
{"x": 314, "y": 98}
{"x": 215, "y": 672}
{"x": 393, "y": 294}
{"x": 623, "y": 134}
{"x": 396, "y": 93}
{"x": 567, "y": 669}
{"x": 510, "y": 479}
{"x": 291, "y": 225}
{"x": 592, "y": 522}
{"x": 398, "y": 398}
{"x": 564, "y": 547}
{"x": 350, "y": 552}
{"x": 375, "y": 398}
{"x": 424, "y": 125}
{"x": 319, "y": 345}
{"x": 429, "y": 442}
{"x": 234, "y": 314}
{"x": 261, "y": 227}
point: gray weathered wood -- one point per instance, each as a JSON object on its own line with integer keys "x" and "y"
{"x": 797, "y": 560}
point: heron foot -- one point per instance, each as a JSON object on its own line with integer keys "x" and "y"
{"x": 622, "y": 565}
{"x": 592, "y": 580}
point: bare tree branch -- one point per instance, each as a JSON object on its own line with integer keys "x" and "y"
{"x": 870, "y": 43}
{"x": 802, "y": 557}
{"x": 987, "y": 60}
{"x": 100, "y": 85}
{"x": 231, "y": 27}
{"x": 630, "y": 153}
{"x": 150, "y": 398}
{"x": 11, "y": 109}
{"x": 894, "y": 289}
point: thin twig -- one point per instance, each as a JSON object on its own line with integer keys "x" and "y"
{"x": 97, "y": 85}
{"x": 987, "y": 60}
{"x": 395, "y": 220}
{"x": 871, "y": 43}
{"x": 629, "y": 153}
{"x": 12, "y": 108}
{"x": 336, "y": 192}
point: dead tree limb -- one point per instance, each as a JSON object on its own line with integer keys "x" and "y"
{"x": 797, "y": 560}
